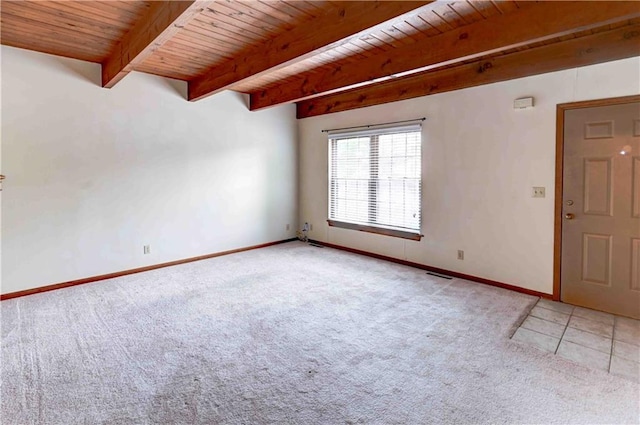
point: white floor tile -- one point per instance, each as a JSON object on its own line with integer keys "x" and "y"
{"x": 596, "y": 316}
{"x": 587, "y": 339}
{"x": 550, "y": 315}
{"x": 536, "y": 339}
{"x": 630, "y": 336}
{"x": 555, "y": 306}
{"x": 626, "y": 351}
{"x": 626, "y": 368}
{"x": 583, "y": 355}
{"x": 627, "y": 330}
{"x": 627, "y": 323}
{"x": 543, "y": 326}
{"x": 588, "y": 325}
{"x": 591, "y": 338}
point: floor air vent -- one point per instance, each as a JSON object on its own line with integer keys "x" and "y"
{"x": 316, "y": 245}
{"x": 440, "y": 275}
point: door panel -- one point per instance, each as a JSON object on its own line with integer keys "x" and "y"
{"x": 601, "y": 204}
{"x": 598, "y": 130}
{"x": 596, "y": 259}
{"x": 597, "y": 186}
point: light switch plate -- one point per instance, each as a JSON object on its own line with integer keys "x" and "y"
{"x": 538, "y": 192}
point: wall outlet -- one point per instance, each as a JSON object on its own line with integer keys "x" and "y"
{"x": 146, "y": 249}
{"x": 287, "y": 227}
{"x": 460, "y": 254}
{"x": 537, "y": 192}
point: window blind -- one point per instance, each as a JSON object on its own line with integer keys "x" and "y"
{"x": 375, "y": 177}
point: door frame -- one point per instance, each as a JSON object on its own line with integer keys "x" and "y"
{"x": 557, "y": 237}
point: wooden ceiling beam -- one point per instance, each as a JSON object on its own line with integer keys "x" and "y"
{"x": 333, "y": 29}
{"x": 534, "y": 23}
{"x": 163, "y": 20}
{"x": 620, "y": 43}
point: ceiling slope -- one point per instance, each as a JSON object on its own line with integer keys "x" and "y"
{"x": 329, "y": 31}
{"x": 325, "y": 55}
{"x": 156, "y": 27}
{"x": 596, "y": 48}
{"x": 539, "y": 22}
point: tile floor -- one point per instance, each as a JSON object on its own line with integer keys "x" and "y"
{"x": 592, "y": 338}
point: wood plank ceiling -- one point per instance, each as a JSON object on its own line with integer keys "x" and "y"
{"x": 326, "y": 56}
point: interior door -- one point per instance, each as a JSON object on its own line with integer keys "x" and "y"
{"x": 601, "y": 209}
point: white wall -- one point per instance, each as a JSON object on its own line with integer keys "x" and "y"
{"x": 95, "y": 174}
{"x": 480, "y": 160}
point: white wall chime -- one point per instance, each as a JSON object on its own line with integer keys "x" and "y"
{"x": 523, "y": 103}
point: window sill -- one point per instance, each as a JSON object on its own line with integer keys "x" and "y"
{"x": 378, "y": 230}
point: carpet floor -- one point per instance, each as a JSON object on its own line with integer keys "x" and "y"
{"x": 290, "y": 334}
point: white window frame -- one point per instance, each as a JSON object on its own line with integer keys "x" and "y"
{"x": 370, "y": 224}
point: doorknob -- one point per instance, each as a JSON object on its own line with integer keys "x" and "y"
{"x": 569, "y": 216}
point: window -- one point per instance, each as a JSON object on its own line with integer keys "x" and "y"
{"x": 375, "y": 180}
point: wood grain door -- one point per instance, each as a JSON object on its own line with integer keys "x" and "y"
{"x": 601, "y": 209}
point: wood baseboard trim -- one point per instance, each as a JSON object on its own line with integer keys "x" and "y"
{"x": 438, "y": 270}
{"x": 132, "y": 271}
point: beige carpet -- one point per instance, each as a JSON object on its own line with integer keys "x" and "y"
{"x": 289, "y": 334}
